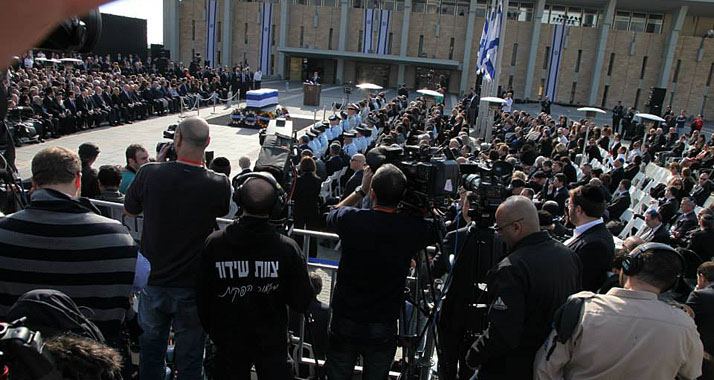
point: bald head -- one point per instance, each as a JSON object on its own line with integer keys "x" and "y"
{"x": 258, "y": 197}
{"x": 194, "y": 132}
{"x": 632, "y": 242}
{"x": 516, "y": 218}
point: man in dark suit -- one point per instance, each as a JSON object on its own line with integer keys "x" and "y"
{"x": 357, "y": 163}
{"x": 702, "y": 190}
{"x": 98, "y": 99}
{"x": 620, "y": 201}
{"x": 702, "y": 240}
{"x": 591, "y": 240}
{"x": 617, "y": 174}
{"x": 685, "y": 221}
{"x": 669, "y": 207}
{"x": 557, "y": 192}
{"x": 655, "y": 232}
{"x": 334, "y": 162}
{"x": 701, "y": 300}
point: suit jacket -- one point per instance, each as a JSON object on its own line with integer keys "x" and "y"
{"x": 701, "y": 243}
{"x": 685, "y": 222}
{"x": 617, "y": 176}
{"x": 618, "y": 205}
{"x": 99, "y": 101}
{"x": 702, "y": 303}
{"x": 595, "y": 248}
{"x": 560, "y": 196}
{"x": 701, "y": 193}
{"x": 333, "y": 164}
{"x": 307, "y": 199}
{"x": 668, "y": 209}
{"x": 70, "y": 106}
{"x": 659, "y": 236}
{"x": 352, "y": 183}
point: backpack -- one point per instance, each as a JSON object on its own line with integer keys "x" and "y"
{"x": 53, "y": 313}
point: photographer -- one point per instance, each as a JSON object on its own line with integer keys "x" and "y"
{"x": 180, "y": 201}
{"x": 248, "y": 275}
{"x": 377, "y": 247}
{"x": 524, "y": 291}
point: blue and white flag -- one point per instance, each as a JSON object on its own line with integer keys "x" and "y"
{"x": 480, "y": 57}
{"x": 490, "y": 58}
{"x": 556, "y": 51}
{"x": 385, "y": 16}
{"x": 211, "y": 19}
{"x": 368, "y": 30}
{"x": 265, "y": 37}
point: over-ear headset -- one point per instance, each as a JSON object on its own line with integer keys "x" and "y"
{"x": 240, "y": 181}
{"x": 634, "y": 262}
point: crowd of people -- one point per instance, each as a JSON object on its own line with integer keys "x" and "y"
{"x": 570, "y": 185}
{"x": 105, "y": 90}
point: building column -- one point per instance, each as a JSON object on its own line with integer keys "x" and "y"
{"x": 282, "y": 43}
{"x": 466, "y": 64}
{"x": 342, "y": 40}
{"x": 172, "y": 21}
{"x": 603, "y": 32}
{"x": 671, "y": 45}
{"x": 533, "y": 52}
{"x": 227, "y": 38}
{"x": 404, "y": 40}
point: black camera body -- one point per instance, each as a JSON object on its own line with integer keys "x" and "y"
{"x": 168, "y": 134}
{"x": 488, "y": 187}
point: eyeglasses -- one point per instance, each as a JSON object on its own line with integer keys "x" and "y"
{"x": 500, "y": 228}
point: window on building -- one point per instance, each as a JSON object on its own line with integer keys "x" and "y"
{"x": 389, "y": 43}
{"x": 622, "y": 20}
{"x": 546, "y": 58}
{"x": 451, "y": 48}
{"x": 638, "y": 22}
{"x": 572, "y": 92}
{"x": 448, "y": 7}
{"x": 654, "y": 23}
{"x": 514, "y": 56}
{"x": 526, "y": 12}
{"x": 577, "y": 61}
{"x": 399, "y": 5}
{"x": 245, "y": 33}
{"x": 541, "y": 87}
{"x": 218, "y": 57}
{"x": 574, "y": 16}
{"x": 329, "y": 3}
{"x": 272, "y": 36}
{"x": 219, "y": 31}
{"x": 359, "y": 40}
{"x": 462, "y": 8}
{"x": 590, "y": 18}
{"x": 272, "y": 64}
{"x": 671, "y": 98}
{"x": 419, "y": 6}
{"x": 637, "y": 99}
{"x": 513, "y": 11}
{"x": 193, "y": 53}
{"x": 421, "y": 46}
{"x": 302, "y": 36}
{"x": 193, "y": 30}
{"x": 557, "y": 14}
{"x": 676, "y": 71}
{"x": 510, "y": 81}
{"x": 644, "y": 68}
{"x": 329, "y": 40}
{"x": 611, "y": 64}
{"x": 546, "y": 14}
{"x": 432, "y": 6}
{"x": 604, "y": 96}
{"x": 711, "y": 72}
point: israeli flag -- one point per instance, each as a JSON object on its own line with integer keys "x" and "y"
{"x": 556, "y": 52}
{"x": 265, "y": 37}
{"x": 211, "y": 17}
{"x": 480, "y": 57}
{"x": 368, "y": 27}
{"x": 385, "y": 17}
{"x": 491, "y": 50}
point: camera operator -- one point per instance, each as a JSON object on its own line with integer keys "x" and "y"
{"x": 524, "y": 291}
{"x": 627, "y": 333}
{"x": 180, "y": 201}
{"x": 377, "y": 247}
{"x": 248, "y": 275}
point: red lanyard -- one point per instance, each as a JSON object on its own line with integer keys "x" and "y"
{"x": 192, "y": 162}
{"x": 384, "y": 209}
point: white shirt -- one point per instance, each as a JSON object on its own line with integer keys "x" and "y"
{"x": 509, "y": 103}
{"x": 579, "y": 230}
{"x": 258, "y": 75}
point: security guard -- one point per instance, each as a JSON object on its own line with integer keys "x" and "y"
{"x": 248, "y": 275}
{"x": 353, "y": 119}
{"x": 335, "y": 127}
{"x": 361, "y": 141}
{"x": 524, "y": 290}
{"x": 314, "y": 144}
{"x": 326, "y": 128}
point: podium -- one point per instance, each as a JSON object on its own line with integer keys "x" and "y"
{"x": 311, "y": 94}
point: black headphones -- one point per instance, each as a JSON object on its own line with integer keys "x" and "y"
{"x": 634, "y": 262}
{"x": 241, "y": 180}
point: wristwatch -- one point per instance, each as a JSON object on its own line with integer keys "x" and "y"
{"x": 360, "y": 192}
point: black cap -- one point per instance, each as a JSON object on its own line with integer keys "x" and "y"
{"x": 334, "y": 118}
{"x": 324, "y": 124}
{"x": 343, "y": 115}
{"x": 88, "y": 150}
{"x": 315, "y": 130}
{"x": 373, "y": 119}
{"x": 310, "y": 133}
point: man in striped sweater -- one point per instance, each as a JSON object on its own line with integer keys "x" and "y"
{"x": 61, "y": 242}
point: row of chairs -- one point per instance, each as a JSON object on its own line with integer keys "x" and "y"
{"x": 332, "y": 187}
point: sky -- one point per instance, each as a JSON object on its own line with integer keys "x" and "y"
{"x": 150, "y": 10}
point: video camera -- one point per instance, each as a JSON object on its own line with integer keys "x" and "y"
{"x": 488, "y": 187}
{"x": 432, "y": 178}
{"x": 169, "y": 133}
{"x": 22, "y": 350}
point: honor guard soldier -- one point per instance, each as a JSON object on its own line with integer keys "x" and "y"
{"x": 350, "y": 148}
{"x": 335, "y": 127}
